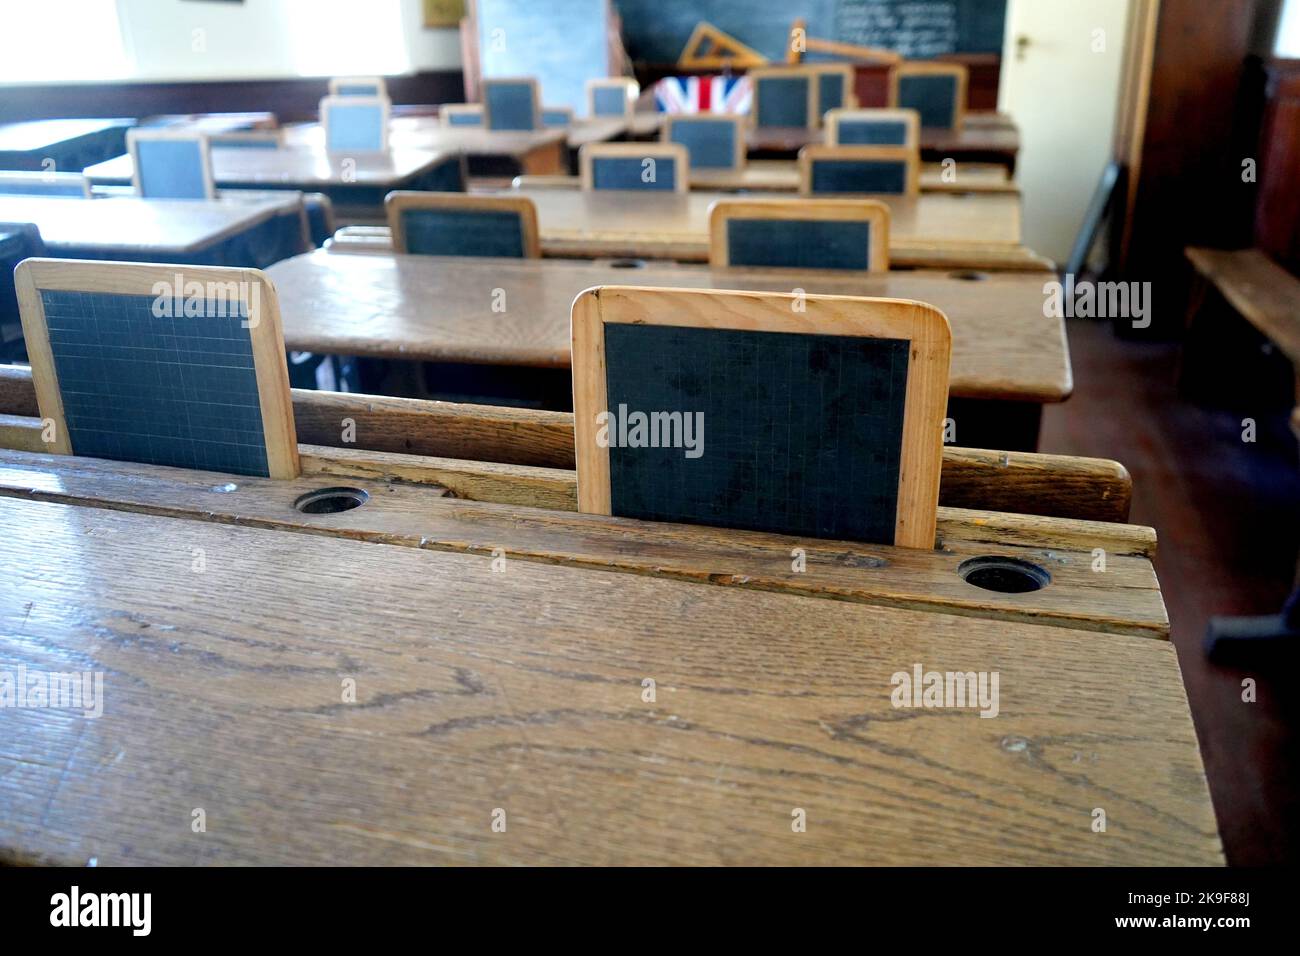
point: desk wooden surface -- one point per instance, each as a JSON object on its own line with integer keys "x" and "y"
{"x": 939, "y": 230}
{"x": 36, "y": 135}
{"x": 135, "y": 225}
{"x": 521, "y": 691}
{"x": 602, "y": 129}
{"x": 440, "y": 309}
{"x": 427, "y": 132}
{"x": 304, "y": 167}
{"x": 992, "y": 139}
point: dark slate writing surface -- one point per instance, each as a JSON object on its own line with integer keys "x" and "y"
{"x": 934, "y": 97}
{"x": 868, "y": 176}
{"x": 463, "y": 232}
{"x": 631, "y": 172}
{"x": 158, "y": 390}
{"x": 802, "y": 434}
{"x": 710, "y": 145}
{"x": 872, "y": 133}
{"x": 799, "y": 243}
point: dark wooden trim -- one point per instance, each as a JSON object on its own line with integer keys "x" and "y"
{"x": 291, "y": 98}
{"x": 1277, "y": 213}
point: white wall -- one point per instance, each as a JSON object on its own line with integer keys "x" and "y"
{"x": 185, "y": 39}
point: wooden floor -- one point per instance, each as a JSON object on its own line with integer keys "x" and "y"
{"x": 1227, "y": 516}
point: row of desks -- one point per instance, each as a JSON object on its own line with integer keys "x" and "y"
{"x": 501, "y": 658}
{"x": 145, "y": 229}
{"x": 932, "y": 230}
{"x": 442, "y": 310}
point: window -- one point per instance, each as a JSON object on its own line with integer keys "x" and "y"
{"x": 61, "y": 40}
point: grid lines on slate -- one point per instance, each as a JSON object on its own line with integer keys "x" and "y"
{"x": 802, "y": 433}
{"x": 157, "y": 390}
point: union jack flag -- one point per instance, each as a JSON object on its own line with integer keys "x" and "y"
{"x": 703, "y": 94}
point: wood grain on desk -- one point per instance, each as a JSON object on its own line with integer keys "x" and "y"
{"x": 406, "y": 508}
{"x": 522, "y": 691}
{"x": 135, "y": 225}
{"x": 441, "y": 309}
{"x": 975, "y": 230}
{"x": 427, "y": 133}
{"x": 306, "y": 167}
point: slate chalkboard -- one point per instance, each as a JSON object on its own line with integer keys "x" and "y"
{"x": 164, "y": 365}
{"x": 729, "y": 409}
{"x": 463, "y": 232}
{"x": 657, "y": 30}
{"x": 563, "y": 43}
{"x": 802, "y": 432}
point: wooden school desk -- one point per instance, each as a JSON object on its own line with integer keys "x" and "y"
{"x": 932, "y": 230}
{"x": 356, "y": 184}
{"x": 244, "y": 233}
{"x": 439, "y": 309}
{"x": 72, "y": 144}
{"x": 520, "y": 692}
{"x": 1008, "y": 359}
{"x": 976, "y": 142}
{"x": 488, "y": 152}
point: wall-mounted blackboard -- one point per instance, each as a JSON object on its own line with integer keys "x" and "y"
{"x": 563, "y": 43}
{"x": 655, "y": 31}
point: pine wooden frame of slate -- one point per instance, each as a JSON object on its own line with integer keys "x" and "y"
{"x": 924, "y": 328}
{"x": 757, "y": 76}
{"x": 535, "y": 95}
{"x": 592, "y": 153}
{"x": 399, "y": 202}
{"x": 35, "y": 276}
{"x": 910, "y": 119}
{"x": 870, "y": 211}
{"x": 735, "y": 120}
{"x": 629, "y": 87}
{"x": 958, "y": 72}
{"x": 330, "y": 103}
{"x": 141, "y": 134}
{"x": 817, "y": 153}
{"x": 848, "y": 95}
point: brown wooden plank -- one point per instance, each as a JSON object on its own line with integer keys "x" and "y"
{"x": 1093, "y": 489}
{"x": 1004, "y": 346}
{"x": 523, "y": 690}
{"x": 1125, "y": 597}
{"x": 944, "y": 230}
{"x": 1265, "y": 294}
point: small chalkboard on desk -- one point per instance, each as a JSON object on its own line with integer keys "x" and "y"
{"x": 784, "y": 97}
{"x": 818, "y": 416}
{"x": 163, "y": 365}
{"x": 644, "y": 167}
{"x": 859, "y": 170}
{"x": 873, "y": 127}
{"x": 937, "y": 91}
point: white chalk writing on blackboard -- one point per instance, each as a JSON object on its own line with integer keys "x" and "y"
{"x": 914, "y": 28}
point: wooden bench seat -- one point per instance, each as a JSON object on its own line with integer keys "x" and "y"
{"x": 1265, "y": 294}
